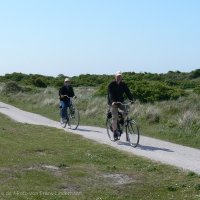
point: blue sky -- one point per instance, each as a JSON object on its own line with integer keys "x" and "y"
{"x": 73, "y": 37}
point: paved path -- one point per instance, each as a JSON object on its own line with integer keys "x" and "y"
{"x": 165, "y": 152}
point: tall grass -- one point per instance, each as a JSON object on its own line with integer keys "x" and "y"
{"x": 173, "y": 120}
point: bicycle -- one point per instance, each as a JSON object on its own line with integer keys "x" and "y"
{"x": 73, "y": 115}
{"x": 124, "y": 122}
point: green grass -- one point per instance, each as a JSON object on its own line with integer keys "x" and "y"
{"x": 39, "y": 163}
{"x": 171, "y": 134}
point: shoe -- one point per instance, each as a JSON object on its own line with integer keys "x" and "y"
{"x": 116, "y": 136}
{"x": 120, "y": 132}
{"x": 68, "y": 124}
{"x": 62, "y": 121}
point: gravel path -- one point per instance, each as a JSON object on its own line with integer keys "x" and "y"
{"x": 182, "y": 157}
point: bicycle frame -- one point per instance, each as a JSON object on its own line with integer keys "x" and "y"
{"x": 73, "y": 114}
{"x": 125, "y": 115}
{"x": 129, "y": 125}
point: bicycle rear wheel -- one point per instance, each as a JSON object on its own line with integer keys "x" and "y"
{"x": 74, "y": 118}
{"x": 109, "y": 128}
{"x": 132, "y": 133}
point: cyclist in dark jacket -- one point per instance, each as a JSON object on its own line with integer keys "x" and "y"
{"x": 65, "y": 92}
{"x": 116, "y": 91}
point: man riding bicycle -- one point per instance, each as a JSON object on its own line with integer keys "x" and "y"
{"x": 116, "y": 91}
{"x": 65, "y": 92}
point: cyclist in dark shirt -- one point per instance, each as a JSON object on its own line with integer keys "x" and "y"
{"x": 65, "y": 92}
{"x": 116, "y": 91}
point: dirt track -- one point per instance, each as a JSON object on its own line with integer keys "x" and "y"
{"x": 158, "y": 150}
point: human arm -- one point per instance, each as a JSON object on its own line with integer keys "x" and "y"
{"x": 128, "y": 92}
{"x": 113, "y": 93}
{"x": 63, "y": 94}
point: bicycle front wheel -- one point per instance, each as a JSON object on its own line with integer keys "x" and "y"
{"x": 109, "y": 128}
{"x": 74, "y": 118}
{"x": 132, "y": 133}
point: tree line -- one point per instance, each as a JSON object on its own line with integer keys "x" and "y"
{"x": 146, "y": 87}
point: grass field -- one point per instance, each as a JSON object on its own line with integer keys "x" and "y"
{"x": 40, "y": 163}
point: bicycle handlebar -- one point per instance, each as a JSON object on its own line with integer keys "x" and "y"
{"x": 74, "y": 97}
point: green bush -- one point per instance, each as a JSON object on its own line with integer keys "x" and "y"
{"x": 195, "y": 73}
{"x": 156, "y": 86}
{"x": 11, "y": 87}
{"x": 39, "y": 83}
{"x": 151, "y": 91}
{"x": 197, "y": 187}
{"x": 148, "y": 91}
{"x": 102, "y": 91}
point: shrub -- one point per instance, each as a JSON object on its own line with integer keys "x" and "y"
{"x": 58, "y": 83}
{"x": 195, "y": 73}
{"x": 11, "y": 87}
{"x": 102, "y": 91}
{"x": 151, "y": 91}
{"x": 39, "y": 83}
{"x": 197, "y": 187}
{"x": 148, "y": 91}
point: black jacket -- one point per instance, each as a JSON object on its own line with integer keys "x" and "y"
{"x": 66, "y": 90}
{"x": 116, "y": 92}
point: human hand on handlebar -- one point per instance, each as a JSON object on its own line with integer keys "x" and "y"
{"x": 116, "y": 103}
{"x": 113, "y": 103}
{"x": 62, "y": 96}
{"x": 120, "y": 103}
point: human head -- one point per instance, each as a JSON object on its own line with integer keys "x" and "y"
{"x": 118, "y": 76}
{"x": 66, "y": 81}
